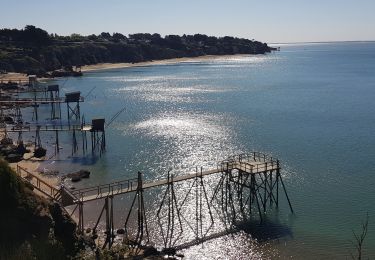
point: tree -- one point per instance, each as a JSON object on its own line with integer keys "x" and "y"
{"x": 228, "y": 39}
{"x": 156, "y": 39}
{"x": 92, "y": 37}
{"x": 35, "y": 36}
{"x": 174, "y": 42}
{"x": 77, "y": 37}
{"x": 359, "y": 239}
{"x": 141, "y": 36}
{"x": 200, "y": 37}
{"x": 10, "y": 34}
{"x": 118, "y": 37}
{"x": 211, "y": 40}
{"x": 105, "y": 35}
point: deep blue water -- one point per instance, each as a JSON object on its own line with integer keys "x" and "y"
{"x": 311, "y": 105}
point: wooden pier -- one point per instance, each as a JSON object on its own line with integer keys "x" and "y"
{"x": 246, "y": 185}
{"x": 244, "y": 165}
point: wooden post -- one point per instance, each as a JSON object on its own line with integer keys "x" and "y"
{"x": 57, "y": 149}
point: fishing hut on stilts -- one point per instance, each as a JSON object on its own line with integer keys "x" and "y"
{"x": 50, "y": 95}
{"x": 97, "y": 135}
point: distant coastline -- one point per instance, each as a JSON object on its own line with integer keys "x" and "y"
{"x": 34, "y": 51}
{"x": 317, "y": 42}
{"x": 16, "y": 77}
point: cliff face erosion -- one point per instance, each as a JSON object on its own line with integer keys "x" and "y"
{"x": 34, "y": 51}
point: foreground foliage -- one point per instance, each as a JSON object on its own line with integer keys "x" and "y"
{"x": 30, "y": 226}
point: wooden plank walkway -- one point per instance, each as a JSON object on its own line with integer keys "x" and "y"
{"x": 249, "y": 165}
{"x": 246, "y": 165}
{"x": 37, "y": 101}
{"x": 45, "y": 127}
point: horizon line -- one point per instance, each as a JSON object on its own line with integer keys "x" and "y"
{"x": 333, "y": 41}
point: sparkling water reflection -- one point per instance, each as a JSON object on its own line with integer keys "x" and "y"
{"x": 310, "y": 105}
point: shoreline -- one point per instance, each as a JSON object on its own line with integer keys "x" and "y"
{"x": 14, "y": 77}
{"x": 33, "y": 166}
{"x": 23, "y": 78}
{"x": 20, "y": 78}
{"x": 120, "y": 65}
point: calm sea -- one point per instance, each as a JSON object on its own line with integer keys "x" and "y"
{"x": 310, "y": 105}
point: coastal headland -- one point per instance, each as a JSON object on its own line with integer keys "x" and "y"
{"x": 33, "y": 50}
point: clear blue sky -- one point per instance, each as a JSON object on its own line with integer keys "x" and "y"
{"x": 264, "y": 20}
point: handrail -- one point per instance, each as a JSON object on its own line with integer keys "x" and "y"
{"x": 52, "y": 191}
{"x": 110, "y": 188}
{"x": 241, "y": 162}
{"x": 33, "y": 100}
{"x": 45, "y": 127}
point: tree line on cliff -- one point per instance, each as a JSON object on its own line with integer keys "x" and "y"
{"x": 33, "y": 50}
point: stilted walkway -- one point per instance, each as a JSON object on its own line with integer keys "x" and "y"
{"x": 246, "y": 185}
{"x": 245, "y": 164}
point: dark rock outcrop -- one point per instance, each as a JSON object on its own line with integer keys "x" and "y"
{"x": 40, "y": 152}
{"x": 77, "y": 176}
{"x": 14, "y": 158}
{"x": 120, "y": 231}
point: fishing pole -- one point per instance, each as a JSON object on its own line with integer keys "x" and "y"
{"x": 89, "y": 93}
{"x": 115, "y": 116}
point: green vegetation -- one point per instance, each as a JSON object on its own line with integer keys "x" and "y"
{"x": 34, "y": 51}
{"x": 31, "y": 227}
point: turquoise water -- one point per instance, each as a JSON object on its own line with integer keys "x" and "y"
{"x": 311, "y": 105}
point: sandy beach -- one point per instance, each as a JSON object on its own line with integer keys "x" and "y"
{"x": 104, "y": 66}
{"x": 23, "y": 78}
{"x": 32, "y": 164}
{"x": 14, "y": 77}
